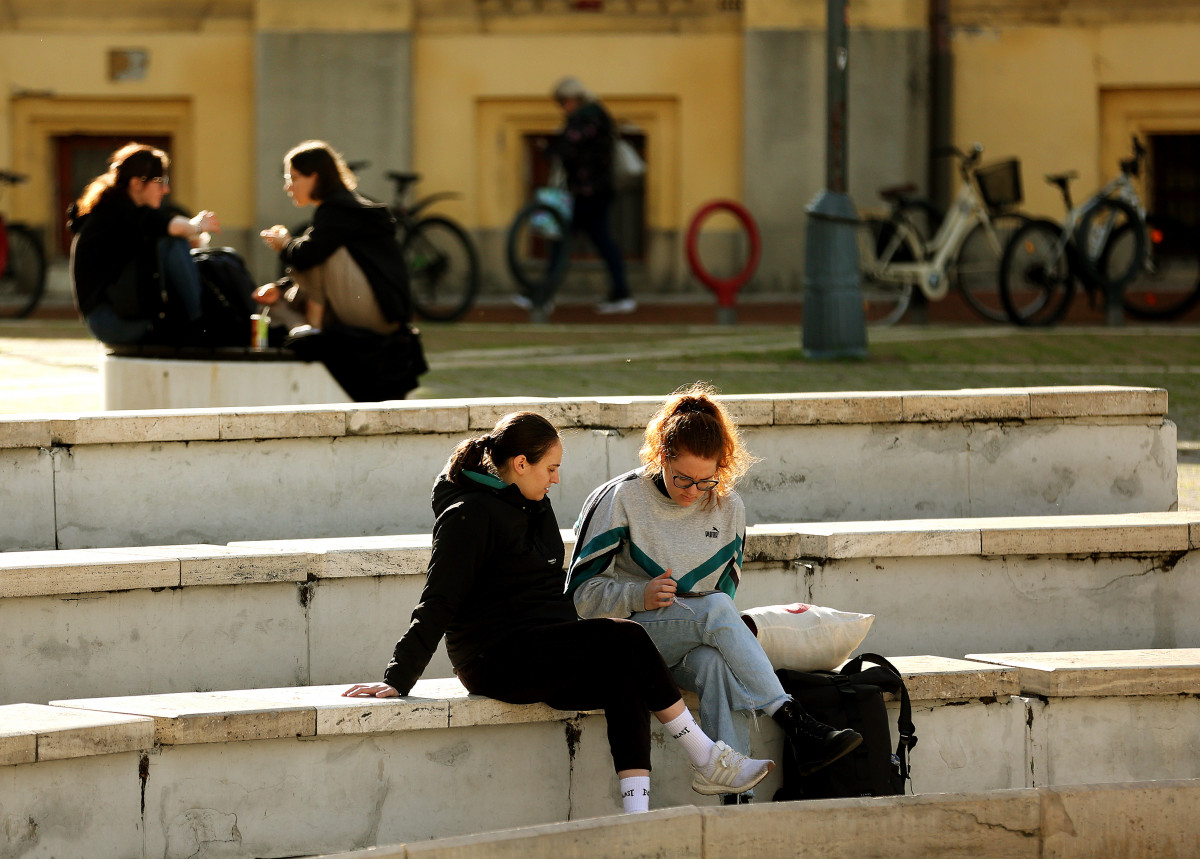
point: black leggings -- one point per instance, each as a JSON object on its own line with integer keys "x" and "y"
{"x": 599, "y": 664}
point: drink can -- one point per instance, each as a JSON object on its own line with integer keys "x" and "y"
{"x": 258, "y": 331}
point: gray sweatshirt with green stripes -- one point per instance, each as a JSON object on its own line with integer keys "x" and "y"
{"x": 630, "y": 531}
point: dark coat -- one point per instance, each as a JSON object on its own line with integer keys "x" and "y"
{"x": 368, "y": 231}
{"x": 585, "y": 147}
{"x": 114, "y": 257}
{"x": 496, "y": 568}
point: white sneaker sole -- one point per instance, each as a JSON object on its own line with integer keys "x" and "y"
{"x": 707, "y": 788}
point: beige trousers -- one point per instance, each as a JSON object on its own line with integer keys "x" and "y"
{"x": 340, "y": 286}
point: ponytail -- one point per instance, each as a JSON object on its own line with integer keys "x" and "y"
{"x": 526, "y": 433}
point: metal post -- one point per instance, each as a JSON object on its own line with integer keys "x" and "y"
{"x": 834, "y": 325}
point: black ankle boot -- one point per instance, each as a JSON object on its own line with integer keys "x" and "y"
{"x": 816, "y": 744}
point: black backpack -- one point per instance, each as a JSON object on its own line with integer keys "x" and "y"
{"x": 851, "y": 697}
{"x": 225, "y": 296}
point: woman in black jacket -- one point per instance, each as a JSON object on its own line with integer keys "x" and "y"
{"x": 494, "y": 589}
{"x": 347, "y": 264}
{"x": 130, "y": 259}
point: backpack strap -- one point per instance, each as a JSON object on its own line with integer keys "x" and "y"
{"x": 891, "y": 680}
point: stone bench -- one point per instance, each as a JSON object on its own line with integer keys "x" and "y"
{"x": 1109, "y": 715}
{"x": 302, "y": 770}
{"x": 158, "y": 377}
{"x": 296, "y": 771}
{"x": 217, "y": 475}
{"x": 88, "y": 622}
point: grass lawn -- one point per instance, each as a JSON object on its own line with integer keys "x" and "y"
{"x": 577, "y": 360}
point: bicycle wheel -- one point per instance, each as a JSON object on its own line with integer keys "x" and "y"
{"x": 896, "y": 241}
{"x": 443, "y": 269}
{"x": 923, "y": 216}
{"x": 23, "y": 279}
{"x": 1168, "y": 283}
{"x": 538, "y": 250}
{"x": 1036, "y": 282}
{"x": 976, "y": 269}
{"x": 1097, "y": 227}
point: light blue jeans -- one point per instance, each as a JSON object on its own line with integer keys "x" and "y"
{"x": 712, "y": 652}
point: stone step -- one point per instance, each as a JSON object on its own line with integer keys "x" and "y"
{"x": 88, "y": 622}
{"x": 365, "y": 469}
{"x": 299, "y": 771}
{"x": 1131, "y": 820}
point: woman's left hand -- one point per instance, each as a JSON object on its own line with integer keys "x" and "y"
{"x": 370, "y": 690}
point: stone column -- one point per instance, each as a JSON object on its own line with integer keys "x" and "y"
{"x": 340, "y": 72}
{"x": 784, "y": 131}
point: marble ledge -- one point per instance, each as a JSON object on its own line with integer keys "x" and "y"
{"x": 257, "y": 714}
{"x": 26, "y": 431}
{"x": 940, "y": 678}
{"x": 461, "y": 416}
{"x": 353, "y": 557}
{"x": 1103, "y": 673}
{"x": 83, "y": 571}
{"x": 1122, "y": 533}
{"x": 203, "y": 564}
{"x": 30, "y": 733}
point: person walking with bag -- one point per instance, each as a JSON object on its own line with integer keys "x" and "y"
{"x": 585, "y": 150}
{"x": 493, "y": 589}
{"x": 663, "y": 545}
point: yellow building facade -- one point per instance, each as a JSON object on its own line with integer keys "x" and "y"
{"x": 727, "y": 97}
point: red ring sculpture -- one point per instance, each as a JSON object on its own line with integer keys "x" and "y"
{"x": 726, "y": 288}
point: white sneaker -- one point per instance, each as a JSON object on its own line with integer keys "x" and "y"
{"x": 728, "y": 771}
{"x": 526, "y": 303}
{"x": 625, "y": 305}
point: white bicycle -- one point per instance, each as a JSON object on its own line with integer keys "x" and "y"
{"x": 897, "y": 252}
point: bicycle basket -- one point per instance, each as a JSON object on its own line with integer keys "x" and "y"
{"x": 1000, "y": 184}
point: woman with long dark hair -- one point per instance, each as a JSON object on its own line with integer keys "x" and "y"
{"x": 131, "y": 265}
{"x": 494, "y": 589}
{"x": 348, "y": 266}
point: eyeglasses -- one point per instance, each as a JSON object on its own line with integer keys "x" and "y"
{"x": 707, "y": 485}
{"x": 157, "y": 180}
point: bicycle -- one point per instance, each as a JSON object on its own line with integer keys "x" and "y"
{"x": 22, "y": 263}
{"x": 538, "y": 248}
{"x": 1109, "y": 244}
{"x": 442, "y": 262}
{"x": 898, "y": 253}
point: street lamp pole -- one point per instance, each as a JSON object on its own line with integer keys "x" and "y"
{"x": 834, "y": 324}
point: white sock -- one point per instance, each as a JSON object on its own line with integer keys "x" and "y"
{"x": 635, "y": 794}
{"x": 695, "y": 742}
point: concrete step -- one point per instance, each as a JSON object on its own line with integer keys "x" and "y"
{"x": 88, "y": 622}
{"x": 297, "y": 771}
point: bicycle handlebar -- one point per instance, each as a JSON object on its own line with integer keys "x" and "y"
{"x": 967, "y": 161}
{"x": 1133, "y": 166}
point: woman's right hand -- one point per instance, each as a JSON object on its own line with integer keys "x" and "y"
{"x": 275, "y": 237}
{"x": 370, "y": 690}
{"x": 660, "y": 592}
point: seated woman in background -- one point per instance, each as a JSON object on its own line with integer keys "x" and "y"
{"x": 131, "y": 267}
{"x": 494, "y": 589}
{"x": 347, "y": 265}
